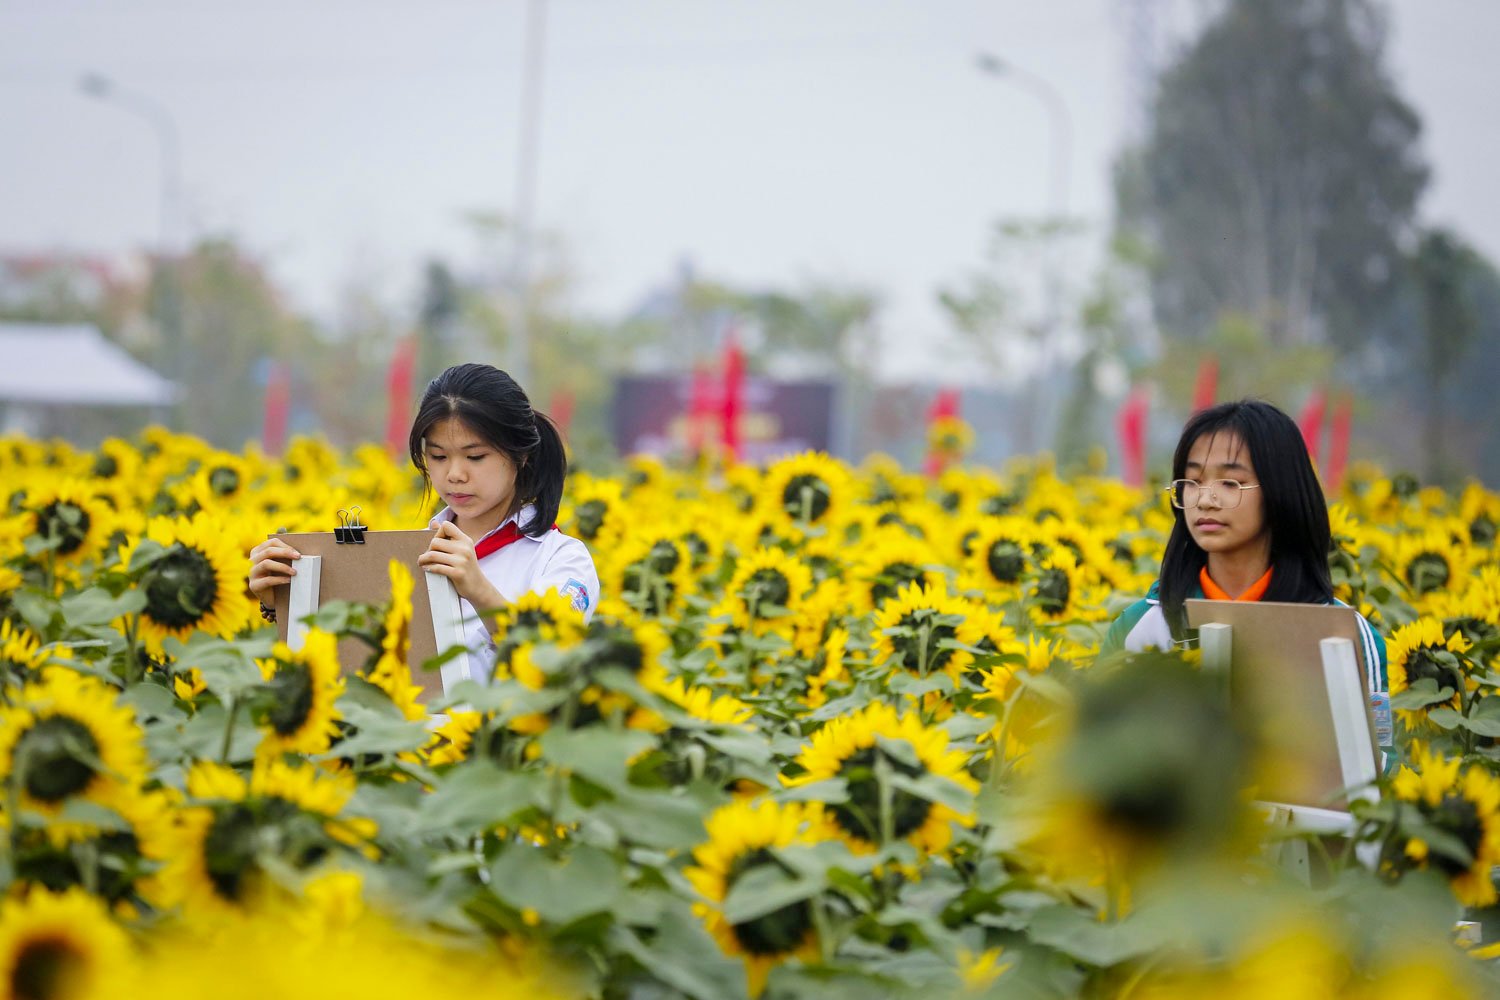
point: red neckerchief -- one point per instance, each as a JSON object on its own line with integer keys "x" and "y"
{"x": 509, "y": 532}
{"x": 1214, "y": 592}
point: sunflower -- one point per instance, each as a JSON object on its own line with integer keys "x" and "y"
{"x": 221, "y": 482}
{"x": 856, "y": 748}
{"x": 1055, "y": 589}
{"x": 743, "y": 837}
{"x": 806, "y": 490}
{"x": 652, "y": 572}
{"x": 1000, "y": 553}
{"x": 215, "y": 867}
{"x": 70, "y": 517}
{"x": 766, "y": 591}
{"x": 452, "y": 740}
{"x": 830, "y": 668}
{"x": 391, "y": 672}
{"x": 68, "y": 736}
{"x": 21, "y": 655}
{"x": 60, "y": 945}
{"x": 116, "y": 859}
{"x": 889, "y": 559}
{"x": 298, "y": 713}
{"x": 1423, "y": 649}
{"x": 1428, "y": 561}
{"x": 912, "y": 628}
{"x": 819, "y": 615}
{"x": 597, "y": 514}
{"x": 949, "y": 439}
{"x": 1463, "y": 805}
{"x": 196, "y": 586}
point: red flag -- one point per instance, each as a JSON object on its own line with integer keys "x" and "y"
{"x": 398, "y": 394}
{"x": 1130, "y": 423}
{"x": 1310, "y": 422}
{"x": 700, "y": 409}
{"x": 944, "y": 405}
{"x": 561, "y": 410}
{"x": 278, "y": 402}
{"x": 733, "y": 400}
{"x": 1338, "y": 445}
{"x": 1206, "y": 389}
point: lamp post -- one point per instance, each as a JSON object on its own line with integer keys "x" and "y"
{"x": 1057, "y": 111}
{"x": 102, "y": 88}
{"x": 531, "y": 112}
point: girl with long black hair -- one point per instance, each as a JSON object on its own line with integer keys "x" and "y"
{"x": 1250, "y": 523}
{"x": 498, "y": 464}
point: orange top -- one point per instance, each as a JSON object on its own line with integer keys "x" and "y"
{"x": 1214, "y": 592}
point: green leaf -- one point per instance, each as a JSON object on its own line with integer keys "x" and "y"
{"x": 477, "y": 795}
{"x": 765, "y": 889}
{"x": 936, "y": 788}
{"x": 739, "y": 744}
{"x": 376, "y": 733}
{"x": 669, "y": 819}
{"x": 595, "y": 753}
{"x": 96, "y": 606}
{"x": 1445, "y": 717}
{"x": 1421, "y": 694}
{"x": 1075, "y": 933}
{"x": 682, "y": 955}
{"x": 560, "y": 890}
{"x": 831, "y": 791}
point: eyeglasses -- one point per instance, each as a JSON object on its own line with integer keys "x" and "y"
{"x": 1226, "y": 493}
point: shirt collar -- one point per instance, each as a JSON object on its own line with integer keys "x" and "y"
{"x": 446, "y": 514}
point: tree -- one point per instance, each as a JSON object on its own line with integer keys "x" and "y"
{"x": 1280, "y": 175}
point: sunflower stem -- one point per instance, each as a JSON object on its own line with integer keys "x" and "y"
{"x": 887, "y": 799}
{"x": 806, "y": 505}
{"x": 231, "y": 710}
{"x": 135, "y": 671}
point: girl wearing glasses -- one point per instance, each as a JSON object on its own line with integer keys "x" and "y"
{"x": 1250, "y": 524}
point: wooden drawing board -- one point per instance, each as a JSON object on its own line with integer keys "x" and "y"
{"x": 362, "y": 573}
{"x": 1277, "y": 674}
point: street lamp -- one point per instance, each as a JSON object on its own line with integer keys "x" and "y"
{"x": 102, "y": 88}
{"x": 1057, "y": 111}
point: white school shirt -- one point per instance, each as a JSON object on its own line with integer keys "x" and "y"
{"x": 528, "y": 565}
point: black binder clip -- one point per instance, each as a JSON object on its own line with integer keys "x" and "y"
{"x": 349, "y": 530}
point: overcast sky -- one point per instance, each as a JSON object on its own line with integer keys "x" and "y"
{"x": 769, "y": 141}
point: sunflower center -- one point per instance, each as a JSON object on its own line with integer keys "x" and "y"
{"x": 1482, "y": 531}
{"x": 664, "y": 557}
{"x": 229, "y": 849}
{"x": 615, "y": 647}
{"x": 293, "y": 689}
{"x": 66, "y": 522}
{"x": 774, "y": 933}
{"x": 590, "y": 517}
{"x": 223, "y": 481}
{"x": 860, "y": 816}
{"x": 910, "y": 645}
{"x": 46, "y": 966}
{"x": 766, "y": 588}
{"x": 180, "y": 588}
{"x": 52, "y": 750}
{"x": 1006, "y": 560}
{"x": 892, "y": 578}
{"x": 1460, "y": 817}
{"x": 806, "y": 497}
{"x": 1424, "y": 662}
{"x": 105, "y": 466}
{"x": 1428, "y": 571}
{"x": 1053, "y": 590}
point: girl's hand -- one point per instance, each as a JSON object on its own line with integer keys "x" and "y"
{"x": 271, "y": 566}
{"x": 451, "y": 554}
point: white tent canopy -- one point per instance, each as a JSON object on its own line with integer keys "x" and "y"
{"x": 46, "y": 364}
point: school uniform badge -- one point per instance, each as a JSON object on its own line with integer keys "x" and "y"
{"x": 577, "y": 593}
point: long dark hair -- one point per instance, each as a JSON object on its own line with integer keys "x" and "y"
{"x": 1292, "y": 500}
{"x": 493, "y": 405}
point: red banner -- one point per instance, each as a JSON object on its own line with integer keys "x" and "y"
{"x": 944, "y": 405}
{"x": 1310, "y": 422}
{"x": 734, "y": 396}
{"x": 1338, "y": 445}
{"x": 278, "y": 403}
{"x": 1130, "y": 424}
{"x": 398, "y": 395}
{"x": 1206, "y": 389}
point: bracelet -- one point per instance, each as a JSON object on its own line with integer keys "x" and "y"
{"x": 267, "y": 613}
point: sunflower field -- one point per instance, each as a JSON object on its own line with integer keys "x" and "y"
{"x": 832, "y": 732}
